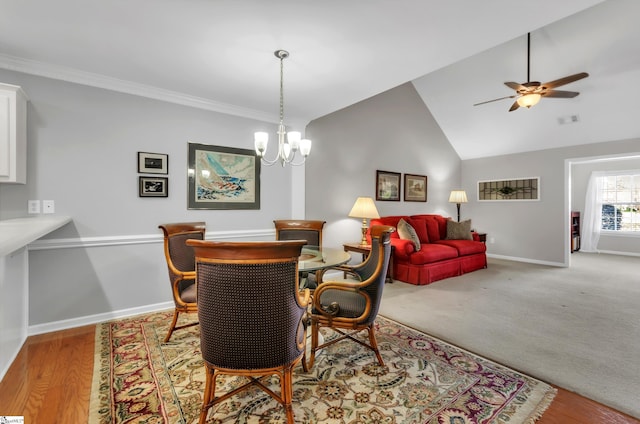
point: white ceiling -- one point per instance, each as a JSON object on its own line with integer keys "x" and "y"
{"x": 218, "y": 54}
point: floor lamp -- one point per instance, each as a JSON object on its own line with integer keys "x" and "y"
{"x": 457, "y": 197}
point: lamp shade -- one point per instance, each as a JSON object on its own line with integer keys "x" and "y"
{"x": 364, "y": 208}
{"x": 458, "y": 196}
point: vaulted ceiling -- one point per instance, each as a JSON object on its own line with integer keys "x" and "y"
{"x": 218, "y": 55}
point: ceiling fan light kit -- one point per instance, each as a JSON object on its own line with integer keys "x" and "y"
{"x": 529, "y": 93}
{"x": 528, "y": 100}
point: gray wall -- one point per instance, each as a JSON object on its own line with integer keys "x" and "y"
{"x": 393, "y": 131}
{"x": 533, "y": 231}
{"x": 82, "y": 153}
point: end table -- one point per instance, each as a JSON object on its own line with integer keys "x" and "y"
{"x": 365, "y": 249}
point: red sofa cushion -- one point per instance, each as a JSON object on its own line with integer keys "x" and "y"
{"x": 388, "y": 220}
{"x": 436, "y": 226}
{"x": 465, "y": 247}
{"x": 432, "y": 229}
{"x": 433, "y": 253}
{"x": 421, "y": 229}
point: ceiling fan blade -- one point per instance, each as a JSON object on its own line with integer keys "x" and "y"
{"x": 565, "y": 80}
{"x": 495, "y": 100}
{"x": 515, "y": 85}
{"x": 514, "y": 106}
{"x": 560, "y": 94}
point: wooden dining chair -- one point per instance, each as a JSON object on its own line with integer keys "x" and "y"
{"x": 351, "y": 306}
{"x": 251, "y": 314}
{"x": 181, "y": 265}
{"x": 302, "y": 229}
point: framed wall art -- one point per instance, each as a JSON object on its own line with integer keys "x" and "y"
{"x": 415, "y": 188}
{"x": 388, "y": 185}
{"x": 153, "y": 187}
{"x": 523, "y": 189}
{"x": 153, "y": 163}
{"x": 222, "y": 178}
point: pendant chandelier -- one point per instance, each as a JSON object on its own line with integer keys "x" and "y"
{"x": 289, "y": 146}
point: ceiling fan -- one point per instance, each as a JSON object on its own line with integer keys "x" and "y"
{"x": 529, "y": 93}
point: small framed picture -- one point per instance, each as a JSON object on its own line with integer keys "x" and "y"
{"x": 388, "y": 186}
{"x": 153, "y": 163}
{"x": 153, "y": 187}
{"x": 415, "y": 188}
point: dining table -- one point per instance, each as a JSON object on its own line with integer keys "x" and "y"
{"x": 316, "y": 258}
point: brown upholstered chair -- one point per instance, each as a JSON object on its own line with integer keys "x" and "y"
{"x": 302, "y": 229}
{"x": 351, "y": 306}
{"x": 181, "y": 264}
{"x": 251, "y": 314}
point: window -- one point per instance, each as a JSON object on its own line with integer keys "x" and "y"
{"x": 621, "y": 203}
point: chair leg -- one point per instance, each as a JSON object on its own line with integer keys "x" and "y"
{"x": 308, "y": 364}
{"x": 173, "y": 325}
{"x": 374, "y": 344}
{"x": 286, "y": 391}
{"x": 208, "y": 395}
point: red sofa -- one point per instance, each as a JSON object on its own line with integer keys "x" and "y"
{"x": 438, "y": 257}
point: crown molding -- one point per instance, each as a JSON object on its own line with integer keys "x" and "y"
{"x": 63, "y": 73}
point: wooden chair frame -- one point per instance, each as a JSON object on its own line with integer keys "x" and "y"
{"x": 253, "y": 253}
{"x": 176, "y": 275}
{"x": 326, "y": 315}
{"x": 299, "y": 225}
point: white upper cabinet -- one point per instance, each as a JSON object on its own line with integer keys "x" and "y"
{"x": 13, "y": 134}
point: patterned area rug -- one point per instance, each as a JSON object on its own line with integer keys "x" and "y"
{"x": 138, "y": 379}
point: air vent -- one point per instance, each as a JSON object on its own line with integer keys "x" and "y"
{"x": 570, "y": 119}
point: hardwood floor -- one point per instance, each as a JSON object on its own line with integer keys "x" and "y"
{"x": 50, "y": 382}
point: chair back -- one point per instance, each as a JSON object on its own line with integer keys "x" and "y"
{"x": 249, "y": 307}
{"x": 180, "y": 257}
{"x": 375, "y": 267}
{"x": 299, "y": 229}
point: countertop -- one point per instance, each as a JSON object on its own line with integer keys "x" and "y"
{"x": 19, "y": 232}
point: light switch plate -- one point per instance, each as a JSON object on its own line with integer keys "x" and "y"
{"x": 48, "y": 206}
{"x": 33, "y": 206}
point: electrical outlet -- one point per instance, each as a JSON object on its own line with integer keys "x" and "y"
{"x": 34, "y": 206}
{"x": 492, "y": 240}
{"x": 48, "y": 206}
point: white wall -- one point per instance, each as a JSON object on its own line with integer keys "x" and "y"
{"x": 82, "y": 153}
{"x": 393, "y": 131}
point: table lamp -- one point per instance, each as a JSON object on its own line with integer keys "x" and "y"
{"x": 364, "y": 208}
{"x": 457, "y": 197}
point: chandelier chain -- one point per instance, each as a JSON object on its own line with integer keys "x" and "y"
{"x": 282, "y": 89}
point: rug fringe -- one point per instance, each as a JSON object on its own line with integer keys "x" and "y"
{"x": 544, "y": 404}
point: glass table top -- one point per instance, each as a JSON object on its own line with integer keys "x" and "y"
{"x": 314, "y": 258}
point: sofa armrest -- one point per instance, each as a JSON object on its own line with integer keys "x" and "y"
{"x": 475, "y": 235}
{"x": 403, "y": 248}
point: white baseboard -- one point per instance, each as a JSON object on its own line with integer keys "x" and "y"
{"x": 614, "y": 252}
{"x": 94, "y": 319}
{"x": 527, "y": 260}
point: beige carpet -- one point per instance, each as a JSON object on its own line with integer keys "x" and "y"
{"x": 577, "y": 327}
